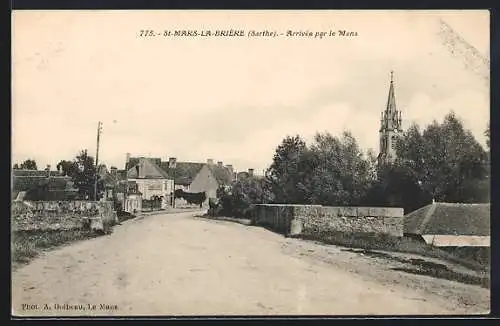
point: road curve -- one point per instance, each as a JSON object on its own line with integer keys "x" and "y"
{"x": 177, "y": 264}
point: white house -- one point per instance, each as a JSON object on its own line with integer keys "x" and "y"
{"x": 151, "y": 180}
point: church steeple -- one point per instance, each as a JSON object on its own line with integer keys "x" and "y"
{"x": 390, "y": 125}
{"x": 391, "y": 101}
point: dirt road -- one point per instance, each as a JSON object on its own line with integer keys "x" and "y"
{"x": 178, "y": 264}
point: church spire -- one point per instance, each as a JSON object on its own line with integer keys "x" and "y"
{"x": 391, "y": 100}
{"x": 390, "y": 126}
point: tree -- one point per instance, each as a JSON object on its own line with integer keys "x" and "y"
{"x": 487, "y": 134}
{"x": 67, "y": 168}
{"x": 341, "y": 175}
{"x": 84, "y": 176}
{"x": 237, "y": 200}
{"x": 16, "y": 166}
{"x": 28, "y": 164}
{"x": 286, "y": 173}
{"x": 397, "y": 185}
{"x": 446, "y": 160}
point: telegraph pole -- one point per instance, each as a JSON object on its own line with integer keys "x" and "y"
{"x": 99, "y": 130}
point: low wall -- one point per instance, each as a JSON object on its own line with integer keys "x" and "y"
{"x": 313, "y": 219}
{"x": 55, "y": 215}
{"x": 132, "y": 205}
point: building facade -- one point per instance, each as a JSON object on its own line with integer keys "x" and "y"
{"x": 192, "y": 177}
{"x": 390, "y": 127}
{"x": 151, "y": 181}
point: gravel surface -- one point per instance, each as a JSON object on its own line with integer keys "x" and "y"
{"x": 178, "y": 264}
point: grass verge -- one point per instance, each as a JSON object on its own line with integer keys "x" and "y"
{"x": 366, "y": 243}
{"x": 423, "y": 267}
{"x": 390, "y": 243}
{"x": 26, "y": 245}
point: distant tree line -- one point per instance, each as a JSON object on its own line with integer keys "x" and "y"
{"x": 28, "y": 164}
{"x": 82, "y": 171}
{"x": 443, "y": 162}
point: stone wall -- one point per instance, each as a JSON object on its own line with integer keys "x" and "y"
{"x": 313, "y": 219}
{"x": 56, "y": 215}
{"x": 132, "y": 204}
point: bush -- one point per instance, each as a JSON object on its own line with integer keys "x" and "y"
{"x": 237, "y": 200}
{"x": 123, "y": 216}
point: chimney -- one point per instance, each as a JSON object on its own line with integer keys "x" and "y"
{"x": 210, "y": 161}
{"x": 127, "y": 160}
{"x": 219, "y": 164}
{"x": 172, "y": 162}
{"x": 48, "y": 170}
{"x": 250, "y": 172}
{"x": 113, "y": 170}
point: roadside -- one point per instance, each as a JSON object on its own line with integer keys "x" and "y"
{"x": 183, "y": 265}
{"x": 399, "y": 269}
{"x": 27, "y": 245}
{"x": 429, "y": 262}
{"x": 224, "y": 218}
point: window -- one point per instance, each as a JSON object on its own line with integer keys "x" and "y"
{"x": 394, "y": 142}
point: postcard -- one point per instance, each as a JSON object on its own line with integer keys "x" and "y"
{"x": 250, "y": 163}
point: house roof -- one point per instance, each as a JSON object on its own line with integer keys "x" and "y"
{"x": 54, "y": 184}
{"x": 146, "y": 169}
{"x": 33, "y": 173}
{"x": 449, "y": 219}
{"x": 133, "y": 161}
{"x": 242, "y": 175}
{"x": 222, "y": 174}
{"x": 109, "y": 179}
{"x": 184, "y": 172}
{"x": 121, "y": 175}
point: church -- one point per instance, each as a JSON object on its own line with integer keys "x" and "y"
{"x": 390, "y": 127}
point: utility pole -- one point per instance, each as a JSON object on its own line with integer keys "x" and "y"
{"x": 173, "y": 166}
{"x": 99, "y": 130}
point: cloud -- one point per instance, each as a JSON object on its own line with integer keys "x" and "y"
{"x": 230, "y": 99}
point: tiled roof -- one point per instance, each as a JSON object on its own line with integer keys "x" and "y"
{"x": 184, "y": 172}
{"x": 28, "y": 182}
{"x": 121, "y": 175}
{"x": 133, "y": 161}
{"x": 29, "y": 173}
{"x": 221, "y": 174}
{"x": 146, "y": 169}
{"x": 242, "y": 175}
{"x": 449, "y": 219}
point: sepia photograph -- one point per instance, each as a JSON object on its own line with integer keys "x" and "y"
{"x": 210, "y": 163}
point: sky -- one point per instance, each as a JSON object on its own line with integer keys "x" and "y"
{"x": 231, "y": 99}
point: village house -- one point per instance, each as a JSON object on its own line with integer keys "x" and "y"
{"x": 245, "y": 175}
{"x": 210, "y": 178}
{"x": 152, "y": 181}
{"x": 195, "y": 177}
{"x": 460, "y": 228}
{"x": 41, "y": 184}
{"x": 192, "y": 177}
